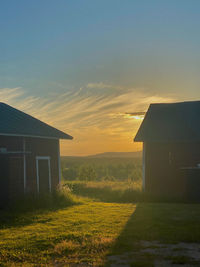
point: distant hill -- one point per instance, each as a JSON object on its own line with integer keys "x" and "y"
{"x": 137, "y": 154}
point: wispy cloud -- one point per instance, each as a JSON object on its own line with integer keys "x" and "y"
{"x": 99, "y": 121}
{"x": 99, "y": 85}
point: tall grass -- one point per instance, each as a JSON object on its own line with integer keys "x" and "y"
{"x": 122, "y": 192}
{"x": 59, "y": 198}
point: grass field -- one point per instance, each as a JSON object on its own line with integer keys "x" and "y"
{"x": 91, "y": 233}
{"x": 120, "y": 192}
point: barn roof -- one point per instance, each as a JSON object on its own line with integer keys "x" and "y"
{"x": 173, "y": 122}
{"x": 17, "y": 123}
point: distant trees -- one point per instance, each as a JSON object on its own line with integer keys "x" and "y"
{"x": 101, "y": 169}
{"x": 69, "y": 173}
{"x": 86, "y": 173}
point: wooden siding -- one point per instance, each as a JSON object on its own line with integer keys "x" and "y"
{"x": 4, "y": 185}
{"x": 11, "y": 143}
{"x": 16, "y": 179}
{"x": 164, "y": 174}
{"x": 41, "y": 147}
{"x": 14, "y": 170}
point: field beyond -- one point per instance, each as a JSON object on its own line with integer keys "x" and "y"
{"x": 95, "y": 234}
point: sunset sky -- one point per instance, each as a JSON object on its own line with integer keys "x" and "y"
{"x": 84, "y": 65}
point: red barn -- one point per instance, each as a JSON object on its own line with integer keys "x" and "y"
{"x": 171, "y": 149}
{"x": 29, "y": 154}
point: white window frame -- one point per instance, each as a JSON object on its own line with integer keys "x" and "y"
{"x": 37, "y": 171}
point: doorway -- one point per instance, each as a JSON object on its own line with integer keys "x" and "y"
{"x": 43, "y": 169}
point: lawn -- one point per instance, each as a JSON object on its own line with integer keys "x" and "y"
{"x": 92, "y": 233}
{"x": 80, "y": 233}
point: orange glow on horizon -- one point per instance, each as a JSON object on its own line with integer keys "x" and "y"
{"x": 76, "y": 148}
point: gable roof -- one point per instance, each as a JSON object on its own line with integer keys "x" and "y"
{"x": 170, "y": 123}
{"x": 18, "y": 123}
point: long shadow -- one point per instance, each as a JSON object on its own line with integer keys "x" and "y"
{"x": 11, "y": 218}
{"x": 162, "y": 222}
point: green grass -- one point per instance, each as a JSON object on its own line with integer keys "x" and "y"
{"x": 61, "y": 197}
{"x": 121, "y": 192}
{"x": 88, "y": 231}
{"x": 80, "y": 233}
{"x": 180, "y": 260}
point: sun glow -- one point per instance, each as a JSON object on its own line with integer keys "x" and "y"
{"x": 138, "y": 117}
{"x": 134, "y": 116}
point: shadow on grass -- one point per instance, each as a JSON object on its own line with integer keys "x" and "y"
{"x": 27, "y": 210}
{"x": 163, "y": 222}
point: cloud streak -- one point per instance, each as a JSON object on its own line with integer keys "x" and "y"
{"x": 99, "y": 120}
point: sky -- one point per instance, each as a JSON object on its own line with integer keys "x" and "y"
{"x": 86, "y": 67}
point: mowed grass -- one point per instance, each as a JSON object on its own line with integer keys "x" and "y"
{"x": 87, "y": 232}
{"x": 80, "y": 233}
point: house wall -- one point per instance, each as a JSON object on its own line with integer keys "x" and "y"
{"x": 164, "y": 163}
{"x": 4, "y": 186}
{"x": 14, "y": 170}
{"x": 12, "y": 143}
{"x": 46, "y": 148}
{"x": 12, "y": 178}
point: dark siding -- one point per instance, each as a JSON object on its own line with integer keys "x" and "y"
{"x": 4, "y": 182}
{"x": 12, "y": 176}
{"x": 164, "y": 163}
{"x": 11, "y": 143}
{"x": 13, "y": 170}
{"x": 16, "y": 176}
{"x": 41, "y": 147}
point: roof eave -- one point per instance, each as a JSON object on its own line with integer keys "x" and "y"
{"x": 68, "y": 137}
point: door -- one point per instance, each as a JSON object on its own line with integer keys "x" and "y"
{"x": 4, "y": 179}
{"x": 43, "y": 174}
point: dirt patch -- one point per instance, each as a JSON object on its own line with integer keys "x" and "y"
{"x": 154, "y": 253}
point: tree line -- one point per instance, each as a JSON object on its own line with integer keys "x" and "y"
{"x": 101, "y": 169}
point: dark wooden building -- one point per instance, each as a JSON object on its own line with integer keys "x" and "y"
{"x": 171, "y": 149}
{"x": 29, "y": 154}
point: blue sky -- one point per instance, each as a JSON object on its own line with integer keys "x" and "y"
{"x": 81, "y": 65}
